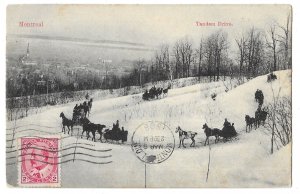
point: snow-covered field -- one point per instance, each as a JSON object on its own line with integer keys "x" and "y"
{"x": 243, "y": 162}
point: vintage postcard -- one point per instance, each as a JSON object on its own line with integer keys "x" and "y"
{"x": 149, "y": 96}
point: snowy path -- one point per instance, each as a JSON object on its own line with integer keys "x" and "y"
{"x": 245, "y": 162}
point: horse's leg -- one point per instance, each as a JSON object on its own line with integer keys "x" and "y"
{"x": 205, "y": 141}
{"x": 179, "y": 143}
{"x": 94, "y": 136}
{"x": 68, "y": 129}
{"x": 87, "y": 134}
{"x": 82, "y": 132}
{"x": 183, "y": 143}
{"x": 64, "y": 129}
{"x": 208, "y": 140}
{"x": 193, "y": 142}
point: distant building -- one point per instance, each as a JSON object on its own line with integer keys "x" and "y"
{"x": 26, "y": 60}
{"x": 41, "y": 83}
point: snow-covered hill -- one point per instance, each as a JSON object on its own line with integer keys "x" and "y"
{"x": 244, "y": 162}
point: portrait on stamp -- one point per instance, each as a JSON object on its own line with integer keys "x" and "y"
{"x": 40, "y": 161}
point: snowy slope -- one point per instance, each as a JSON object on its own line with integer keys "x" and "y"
{"x": 244, "y": 162}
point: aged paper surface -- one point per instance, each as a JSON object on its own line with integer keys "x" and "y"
{"x": 148, "y": 96}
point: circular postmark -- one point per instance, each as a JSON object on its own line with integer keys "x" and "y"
{"x": 153, "y": 142}
{"x": 39, "y": 160}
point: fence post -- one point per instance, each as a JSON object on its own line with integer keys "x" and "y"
{"x": 14, "y": 130}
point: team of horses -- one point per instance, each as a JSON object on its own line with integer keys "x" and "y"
{"x": 80, "y": 114}
{"x": 226, "y": 133}
{"x": 255, "y": 122}
{"x": 114, "y": 135}
{"x": 260, "y": 114}
{"x": 82, "y": 110}
{"x": 155, "y": 93}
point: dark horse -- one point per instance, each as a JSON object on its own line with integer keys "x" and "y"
{"x": 260, "y": 116}
{"x": 185, "y": 135}
{"x": 158, "y": 92}
{"x": 91, "y": 127}
{"x": 271, "y": 77}
{"x": 66, "y": 122}
{"x": 88, "y": 127}
{"x": 250, "y": 121}
{"x": 165, "y": 91}
{"x": 211, "y": 132}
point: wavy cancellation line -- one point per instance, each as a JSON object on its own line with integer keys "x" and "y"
{"x": 62, "y": 162}
{"x": 65, "y": 155}
{"x": 72, "y": 147}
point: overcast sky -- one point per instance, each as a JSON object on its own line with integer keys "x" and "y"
{"x": 147, "y": 25}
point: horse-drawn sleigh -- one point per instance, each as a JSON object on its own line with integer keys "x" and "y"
{"x": 155, "y": 93}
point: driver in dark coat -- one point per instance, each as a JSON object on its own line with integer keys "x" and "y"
{"x": 226, "y": 123}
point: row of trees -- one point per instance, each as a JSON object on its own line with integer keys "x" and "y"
{"x": 33, "y": 81}
{"x": 253, "y": 53}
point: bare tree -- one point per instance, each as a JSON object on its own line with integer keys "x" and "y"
{"x": 279, "y": 122}
{"x": 200, "y": 53}
{"x": 177, "y": 59}
{"x": 186, "y": 52}
{"x": 242, "y": 52}
{"x": 271, "y": 43}
{"x": 285, "y": 41}
{"x": 254, "y": 51}
{"x": 140, "y": 65}
{"x": 215, "y": 48}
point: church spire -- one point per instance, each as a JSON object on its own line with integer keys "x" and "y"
{"x": 27, "y": 54}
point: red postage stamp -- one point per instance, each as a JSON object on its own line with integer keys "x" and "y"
{"x": 40, "y": 162}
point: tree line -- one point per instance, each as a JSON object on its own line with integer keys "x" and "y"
{"x": 254, "y": 52}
